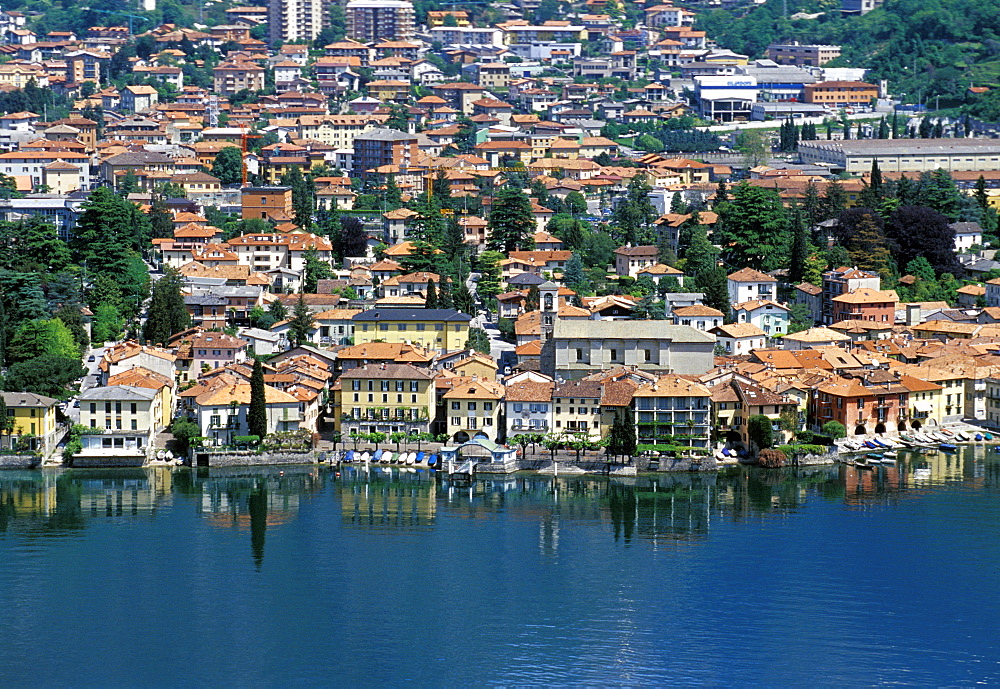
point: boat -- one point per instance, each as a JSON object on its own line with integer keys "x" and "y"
{"x": 881, "y": 443}
{"x": 419, "y": 460}
{"x": 892, "y": 454}
{"x": 349, "y": 457}
{"x": 410, "y": 458}
{"x": 987, "y": 436}
{"x": 377, "y": 457}
{"x": 947, "y": 447}
{"x": 889, "y": 460}
{"x": 387, "y": 457}
{"x": 432, "y": 461}
{"x": 979, "y": 437}
{"x": 365, "y": 457}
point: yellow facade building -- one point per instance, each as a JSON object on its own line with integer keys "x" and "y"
{"x": 441, "y": 329}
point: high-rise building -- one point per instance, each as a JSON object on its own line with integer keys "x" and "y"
{"x": 373, "y": 20}
{"x": 295, "y": 20}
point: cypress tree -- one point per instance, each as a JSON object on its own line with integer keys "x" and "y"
{"x": 167, "y": 313}
{"x": 257, "y": 414}
{"x": 445, "y": 298}
{"x": 302, "y": 322}
{"x": 800, "y": 249}
{"x": 628, "y": 438}
{"x": 431, "y": 301}
{"x": 615, "y": 435}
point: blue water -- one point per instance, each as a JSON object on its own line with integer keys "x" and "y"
{"x": 823, "y": 576}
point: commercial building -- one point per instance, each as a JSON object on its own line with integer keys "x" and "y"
{"x": 578, "y": 348}
{"x": 725, "y": 98}
{"x": 374, "y": 20}
{"x": 840, "y": 93}
{"x": 904, "y": 155}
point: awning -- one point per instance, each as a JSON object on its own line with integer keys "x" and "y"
{"x": 923, "y": 407}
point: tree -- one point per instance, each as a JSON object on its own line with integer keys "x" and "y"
{"x": 511, "y": 222}
{"x": 700, "y": 254}
{"x": 301, "y": 323}
{"x": 573, "y": 275}
{"x": 489, "y": 268}
{"x": 228, "y": 165}
{"x": 760, "y": 431}
{"x": 167, "y": 314}
{"x": 107, "y": 323}
{"x": 754, "y": 147}
{"x": 754, "y": 228}
{"x": 834, "y": 429}
{"x": 71, "y": 316}
{"x": 800, "y": 249}
{"x": 37, "y": 246}
{"x": 353, "y": 240}
{"x": 316, "y": 269}
{"x": 478, "y": 340}
{"x": 44, "y": 375}
{"x": 919, "y": 231}
{"x": 161, "y": 221}
{"x": 303, "y": 196}
{"x": 257, "y": 412}
{"x": 635, "y": 213}
{"x": 860, "y": 232}
{"x": 628, "y": 436}
{"x": 277, "y": 311}
{"x": 714, "y": 284}
{"x": 42, "y": 338}
{"x": 431, "y": 300}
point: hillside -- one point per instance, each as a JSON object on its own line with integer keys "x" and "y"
{"x": 934, "y": 48}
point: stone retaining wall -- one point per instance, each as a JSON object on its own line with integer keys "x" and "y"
{"x": 242, "y": 459}
{"x": 19, "y": 461}
{"x": 107, "y": 462}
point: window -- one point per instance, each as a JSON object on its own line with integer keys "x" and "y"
{"x": 439, "y": 326}
{"x": 614, "y": 354}
{"x": 456, "y": 421}
{"x": 355, "y": 385}
{"x": 487, "y": 406}
{"x": 383, "y": 326}
{"x": 472, "y": 406}
{"x": 384, "y": 385}
{"x": 518, "y": 407}
{"x": 135, "y": 425}
{"x": 399, "y": 386}
{"x": 456, "y": 405}
{"x": 401, "y": 326}
{"x": 421, "y": 327}
{"x": 132, "y": 408}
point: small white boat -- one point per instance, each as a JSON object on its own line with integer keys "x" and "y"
{"x": 891, "y": 454}
{"x": 963, "y": 436}
{"x": 386, "y": 458}
{"x": 411, "y": 458}
{"x": 365, "y": 457}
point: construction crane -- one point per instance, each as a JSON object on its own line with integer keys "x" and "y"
{"x": 244, "y": 137}
{"x": 123, "y": 14}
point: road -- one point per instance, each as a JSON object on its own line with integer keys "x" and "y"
{"x": 498, "y": 346}
{"x": 92, "y": 359}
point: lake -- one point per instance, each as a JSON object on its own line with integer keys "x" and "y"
{"x": 816, "y": 576}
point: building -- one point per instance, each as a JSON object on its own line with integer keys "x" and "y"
{"x": 841, "y": 281}
{"x": 769, "y": 316}
{"x": 32, "y": 415}
{"x": 967, "y": 235}
{"x": 266, "y": 203}
{"x": 471, "y": 408}
{"x": 866, "y": 304}
{"x": 440, "y": 329}
{"x": 577, "y": 408}
{"x": 748, "y": 284}
{"x": 386, "y": 397}
{"x": 528, "y": 405}
{"x": 122, "y": 419}
{"x": 629, "y": 260}
{"x": 378, "y": 147}
{"x": 740, "y": 338}
{"x": 698, "y": 316}
{"x": 221, "y": 410}
{"x": 230, "y": 77}
{"x": 725, "y": 98}
{"x": 869, "y": 402}
{"x": 735, "y": 401}
{"x": 294, "y": 20}
{"x": 904, "y": 155}
{"x": 675, "y": 408}
{"x": 379, "y": 20}
{"x": 802, "y": 55}
{"x": 840, "y": 93}
{"x": 578, "y": 348}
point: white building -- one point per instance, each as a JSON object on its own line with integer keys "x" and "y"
{"x": 769, "y": 316}
{"x": 725, "y": 98}
{"x": 749, "y": 285}
{"x": 740, "y": 338}
{"x": 529, "y": 407}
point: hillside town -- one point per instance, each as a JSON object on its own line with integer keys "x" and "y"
{"x": 539, "y": 227}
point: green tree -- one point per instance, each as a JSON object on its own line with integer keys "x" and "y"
{"x": 38, "y": 246}
{"x": 754, "y": 228}
{"x": 478, "y": 340}
{"x": 277, "y": 311}
{"x": 42, "y": 338}
{"x": 167, "y": 313}
{"x": 573, "y": 275}
{"x": 834, "y": 429}
{"x": 160, "y": 219}
{"x": 44, "y": 375}
{"x": 511, "y": 222}
{"x": 701, "y": 254}
{"x": 303, "y": 196}
{"x": 302, "y": 322}
{"x": 800, "y": 249}
{"x": 107, "y": 323}
{"x": 489, "y": 267}
{"x": 754, "y": 146}
{"x": 431, "y": 300}
{"x": 71, "y": 316}
{"x": 257, "y": 412}
{"x": 760, "y": 431}
{"x": 316, "y": 269}
{"x": 228, "y": 165}
{"x": 714, "y": 285}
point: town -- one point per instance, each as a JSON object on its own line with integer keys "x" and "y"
{"x": 499, "y": 235}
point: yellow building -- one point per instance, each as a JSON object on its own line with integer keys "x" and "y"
{"x": 443, "y": 329}
{"x": 477, "y": 364}
{"x": 577, "y": 408}
{"x": 472, "y": 407}
{"x": 34, "y": 415}
{"x": 385, "y": 398}
{"x": 925, "y": 400}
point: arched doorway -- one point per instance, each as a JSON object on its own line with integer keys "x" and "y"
{"x": 859, "y": 430}
{"x": 480, "y": 435}
{"x": 880, "y": 428}
{"x": 901, "y": 426}
{"x": 915, "y": 424}
{"x": 461, "y": 437}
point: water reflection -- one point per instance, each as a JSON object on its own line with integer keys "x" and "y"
{"x": 664, "y": 509}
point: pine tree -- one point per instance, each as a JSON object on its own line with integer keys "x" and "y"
{"x": 754, "y": 228}
{"x": 167, "y": 313}
{"x": 628, "y": 438}
{"x": 277, "y": 311}
{"x": 303, "y": 196}
{"x": 677, "y": 204}
{"x": 257, "y": 413}
{"x": 867, "y": 247}
{"x": 574, "y": 276}
{"x": 700, "y": 255}
{"x": 445, "y": 298}
{"x": 713, "y": 284}
{"x": 431, "y": 301}
{"x": 511, "y": 223}
{"x": 160, "y": 220}
{"x": 301, "y": 323}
